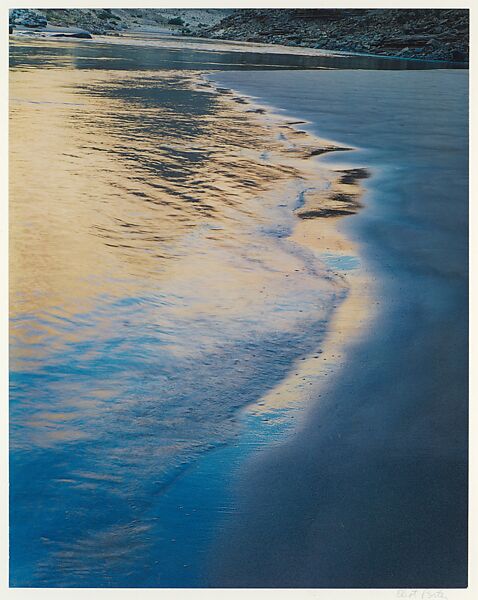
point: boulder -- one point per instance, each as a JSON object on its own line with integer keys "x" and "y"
{"x": 77, "y": 34}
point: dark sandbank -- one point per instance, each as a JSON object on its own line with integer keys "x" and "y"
{"x": 372, "y": 491}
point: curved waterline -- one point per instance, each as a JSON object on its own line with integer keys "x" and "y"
{"x": 162, "y": 280}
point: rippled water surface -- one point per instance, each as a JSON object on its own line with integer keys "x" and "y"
{"x": 154, "y": 292}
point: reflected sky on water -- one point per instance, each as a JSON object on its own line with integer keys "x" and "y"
{"x": 154, "y": 292}
{"x": 144, "y": 52}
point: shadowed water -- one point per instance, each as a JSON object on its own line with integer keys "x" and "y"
{"x": 372, "y": 492}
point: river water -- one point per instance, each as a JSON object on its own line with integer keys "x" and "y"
{"x": 156, "y": 290}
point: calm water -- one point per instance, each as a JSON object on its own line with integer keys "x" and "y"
{"x": 154, "y": 292}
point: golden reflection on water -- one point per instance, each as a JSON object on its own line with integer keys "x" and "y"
{"x": 77, "y": 191}
{"x": 90, "y": 217}
{"x": 117, "y": 196}
{"x": 160, "y": 280}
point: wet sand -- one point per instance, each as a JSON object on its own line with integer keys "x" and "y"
{"x": 372, "y": 490}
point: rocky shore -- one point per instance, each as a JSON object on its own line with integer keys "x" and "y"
{"x": 422, "y": 33}
{"x": 435, "y": 34}
{"x": 110, "y": 21}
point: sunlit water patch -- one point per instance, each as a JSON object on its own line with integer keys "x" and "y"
{"x": 155, "y": 291}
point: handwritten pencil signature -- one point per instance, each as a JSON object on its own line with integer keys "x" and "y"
{"x": 422, "y": 594}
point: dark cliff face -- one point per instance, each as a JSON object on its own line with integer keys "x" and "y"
{"x": 410, "y": 33}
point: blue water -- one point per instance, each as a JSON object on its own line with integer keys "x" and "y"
{"x": 373, "y": 492}
{"x": 155, "y": 295}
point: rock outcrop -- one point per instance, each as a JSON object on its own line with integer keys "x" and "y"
{"x": 409, "y": 33}
{"x": 104, "y": 21}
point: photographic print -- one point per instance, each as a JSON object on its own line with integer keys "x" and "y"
{"x": 238, "y": 297}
